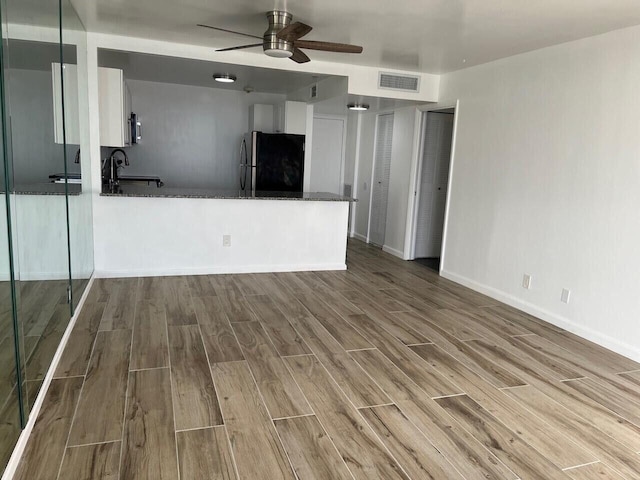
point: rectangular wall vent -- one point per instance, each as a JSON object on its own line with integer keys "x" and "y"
{"x": 393, "y": 81}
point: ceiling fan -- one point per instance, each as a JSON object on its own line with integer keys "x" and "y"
{"x": 282, "y": 39}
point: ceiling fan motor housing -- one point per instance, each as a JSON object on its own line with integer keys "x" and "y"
{"x": 274, "y": 46}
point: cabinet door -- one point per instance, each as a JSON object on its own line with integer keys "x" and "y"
{"x": 111, "y": 98}
{"x": 71, "y": 126}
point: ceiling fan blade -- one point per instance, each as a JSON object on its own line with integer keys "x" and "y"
{"x": 299, "y": 56}
{"x": 293, "y": 31}
{"x": 327, "y": 46}
{"x": 228, "y": 31}
{"x": 239, "y": 48}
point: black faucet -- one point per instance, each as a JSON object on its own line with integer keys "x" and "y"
{"x": 111, "y": 176}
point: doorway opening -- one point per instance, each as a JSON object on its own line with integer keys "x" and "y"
{"x": 433, "y": 182}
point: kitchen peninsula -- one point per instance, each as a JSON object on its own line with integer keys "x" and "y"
{"x": 148, "y": 231}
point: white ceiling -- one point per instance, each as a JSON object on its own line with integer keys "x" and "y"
{"x": 158, "y": 68}
{"x": 433, "y": 36}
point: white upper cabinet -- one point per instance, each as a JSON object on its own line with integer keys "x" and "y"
{"x": 115, "y": 108}
{"x": 71, "y": 126}
{"x": 290, "y": 117}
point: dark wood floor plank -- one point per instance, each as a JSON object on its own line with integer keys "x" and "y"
{"x": 354, "y": 439}
{"x": 92, "y": 462}
{"x": 620, "y": 457}
{"x": 120, "y": 310}
{"x": 219, "y": 340}
{"x": 525, "y": 461}
{"x": 232, "y": 299}
{"x": 178, "y": 302}
{"x": 194, "y": 396}
{"x": 44, "y": 451}
{"x": 205, "y": 454}
{"x": 76, "y": 355}
{"x": 201, "y": 286}
{"x": 285, "y": 339}
{"x": 418, "y": 457}
{"x": 468, "y": 456}
{"x": 281, "y": 395}
{"x": 101, "y": 406}
{"x": 149, "y": 450}
{"x": 311, "y": 451}
{"x": 434, "y": 384}
{"x": 345, "y": 334}
{"x": 541, "y": 435}
{"x": 257, "y": 450}
{"x": 150, "y": 348}
{"x": 47, "y": 344}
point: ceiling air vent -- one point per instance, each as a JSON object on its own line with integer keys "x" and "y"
{"x": 393, "y": 81}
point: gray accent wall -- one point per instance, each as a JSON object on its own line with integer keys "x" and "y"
{"x": 191, "y": 135}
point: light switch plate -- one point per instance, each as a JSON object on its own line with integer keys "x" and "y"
{"x": 566, "y": 294}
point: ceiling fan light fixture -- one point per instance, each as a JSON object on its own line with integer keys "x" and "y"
{"x": 358, "y": 107}
{"x": 224, "y": 78}
{"x": 278, "y": 52}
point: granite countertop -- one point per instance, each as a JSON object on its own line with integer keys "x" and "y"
{"x": 47, "y": 189}
{"x": 164, "y": 192}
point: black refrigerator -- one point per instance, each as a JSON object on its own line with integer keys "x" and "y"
{"x": 272, "y": 162}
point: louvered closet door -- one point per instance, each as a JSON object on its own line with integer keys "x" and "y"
{"x": 434, "y": 179}
{"x": 380, "y": 187}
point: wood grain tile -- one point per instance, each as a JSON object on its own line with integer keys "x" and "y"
{"x": 356, "y": 442}
{"x": 43, "y": 454}
{"x": 311, "y": 451}
{"x": 219, "y": 340}
{"x": 522, "y": 459}
{"x": 120, "y": 310}
{"x": 281, "y": 395}
{"x": 47, "y": 344}
{"x": 285, "y": 339}
{"x": 541, "y": 435}
{"x": 150, "y": 347}
{"x": 149, "y": 450}
{"x": 617, "y": 455}
{"x": 594, "y": 471}
{"x": 418, "y": 457}
{"x": 178, "y": 302}
{"x": 205, "y": 453}
{"x": 232, "y": 299}
{"x": 345, "y": 334}
{"x": 76, "y": 355}
{"x": 201, "y": 286}
{"x": 249, "y": 426}
{"x": 194, "y": 396}
{"x": 468, "y": 456}
{"x": 101, "y": 406}
{"x": 92, "y": 462}
{"x": 434, "y": 384}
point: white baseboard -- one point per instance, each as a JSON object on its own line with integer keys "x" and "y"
{"x": 587, "y": 333}
{"x": 393, "y": 251}
{"x": 359, "y": 237}
{"x": 225, "y": 269}
{"x": 10, "y": 470}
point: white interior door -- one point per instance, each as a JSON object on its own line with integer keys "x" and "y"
{"x": 327, "y": 155}
{"x": 436, "y": 155}
{"x": 380, "y": 184}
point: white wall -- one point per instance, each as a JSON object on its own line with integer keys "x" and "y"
{"x": 191, "y": 135}
{"x": 171, "y": 236}
{"x": 546, "y": 181}
{"x": 402, "y": 152}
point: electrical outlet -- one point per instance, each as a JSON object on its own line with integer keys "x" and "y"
{"x": 564, "y": 298}
{"x": 526, "y": 281}
{"x": 226, "y": 240}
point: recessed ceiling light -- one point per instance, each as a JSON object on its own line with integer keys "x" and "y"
{"x": 224, "y": 78}
{"x": 360, "y": 107}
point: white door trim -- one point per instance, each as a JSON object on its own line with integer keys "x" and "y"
{"x": 416, "y": 171}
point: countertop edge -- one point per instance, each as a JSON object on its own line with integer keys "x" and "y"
{"x": 319, "y": 198}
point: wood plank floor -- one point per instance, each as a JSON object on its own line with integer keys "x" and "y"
{"x": 382, "y": 371}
